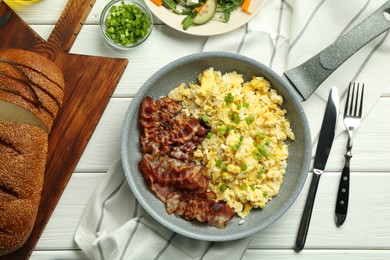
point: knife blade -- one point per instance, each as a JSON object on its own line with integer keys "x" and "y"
{"x": 4, "y": 19}
{"x": 324, "y": 146}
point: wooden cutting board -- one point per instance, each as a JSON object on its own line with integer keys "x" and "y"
{"x": 90, "y": 82}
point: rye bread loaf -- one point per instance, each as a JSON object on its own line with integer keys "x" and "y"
{"x": 31, "y": 94}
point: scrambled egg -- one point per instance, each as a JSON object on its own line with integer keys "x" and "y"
{"x": 246, "y": 150}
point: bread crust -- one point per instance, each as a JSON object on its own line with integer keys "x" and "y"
{"x": 24, "y": 149}
{"x": 35, "y": 62}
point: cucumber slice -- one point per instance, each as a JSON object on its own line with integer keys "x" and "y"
{"x": 206, "y": 13}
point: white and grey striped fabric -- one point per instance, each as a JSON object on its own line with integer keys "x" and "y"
{"x": 115, "y": 226}
{"x": 282, "y": 35}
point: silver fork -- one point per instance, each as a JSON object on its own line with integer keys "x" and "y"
{"x": 352, "y": 117}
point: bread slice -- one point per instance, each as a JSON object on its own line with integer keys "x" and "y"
{"x": 23, "y": 151}
{"x": 13, "y": 113}
{"x": 30, "y": 79}
{"x": 46, "y": 85}
{"x": 31, "y": 93}
{"x": 31, "y": 82}
{"x": 46, "y": 117}
{"x": 34, "y": 62}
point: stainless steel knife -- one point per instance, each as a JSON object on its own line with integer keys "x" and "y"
{"x": 324, "y": 146}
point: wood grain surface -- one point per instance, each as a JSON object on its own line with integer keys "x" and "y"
{"x": 90, "y": 82}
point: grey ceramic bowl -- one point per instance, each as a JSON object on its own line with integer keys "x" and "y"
{"x": 187, "y": 69}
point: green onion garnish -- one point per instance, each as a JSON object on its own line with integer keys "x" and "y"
{"x": 218, "y": 163}
{"x": 126, "y": 24}
{"x": 229, "y": 98}
{"x": 249, "y": 119}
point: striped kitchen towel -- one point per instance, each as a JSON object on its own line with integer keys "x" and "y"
{"x": 115, "y": 226}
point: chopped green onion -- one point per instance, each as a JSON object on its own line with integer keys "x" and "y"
{"x": 260, "y": 173}
{"x": 203, "y": 118}
{"x": 256, "y": 154}
{"x": 229, "y": 98}
{"x": 235, "y": 118}
{"x": 229, "y": 128}
{"x": 236, "y": 146}
{"x": 209, "y": 135}
{"x": 224, "y": 169}
{"x": 246, "y": 105}
{"x": 221, "y": 130}
{"x": 249, "y": 119}
{"x": 265, "y": 193}
{"x": 260, "y": 135}
{"x": 253, "y": 187}
{"x": 223, "y": 187}
{"x": 127, "y": 24}
{"x": 218, "y": 163}
{"x": 244, "y": 167}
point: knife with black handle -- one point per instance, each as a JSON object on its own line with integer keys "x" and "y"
{"x": 324, "y": 146}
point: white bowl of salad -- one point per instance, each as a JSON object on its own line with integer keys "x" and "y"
{"x": 204, "y": 17}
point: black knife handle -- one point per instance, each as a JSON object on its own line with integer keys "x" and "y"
{"x": 306, "y": 216}
{"x": 342, "y": 197}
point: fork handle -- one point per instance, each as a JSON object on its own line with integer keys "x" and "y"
{"x": 343, "y": 196}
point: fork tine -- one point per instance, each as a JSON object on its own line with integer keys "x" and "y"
{"x": 347, "y": 101}
{"x": 361, "y": 102}
{"x": 356, "y": 104}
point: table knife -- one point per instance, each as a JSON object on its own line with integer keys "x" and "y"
{"x": 324, "y": 146}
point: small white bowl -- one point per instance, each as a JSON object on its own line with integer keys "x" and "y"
{"x": 106, "y": 12}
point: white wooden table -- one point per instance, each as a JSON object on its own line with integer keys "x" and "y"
{"x": 364, "y": 235}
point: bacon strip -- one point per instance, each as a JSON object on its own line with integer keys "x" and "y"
{"x": 162, "y": 171}
{"x": 199, "y": 206}
{"x": 168, "y": 140}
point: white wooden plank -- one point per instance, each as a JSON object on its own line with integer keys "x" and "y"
{"x": 251, "y": 254}
{"x": 59, "y": 255}
{"x": 370, "y": 151}
{"x": 317, "y": 254}
{"x": 371, "y": 142}
{"x": 60, "y": 229}
{"x": 103, "y": 148}
{"x": 44, "y": 12}
{"x": 162, "y": 47}
{"x": 367, "y": 225}
{"x": 33, "y": 14}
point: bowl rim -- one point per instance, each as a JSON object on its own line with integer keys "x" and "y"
{"x": 126, "y": 146}
{"x": 103, "y": 15}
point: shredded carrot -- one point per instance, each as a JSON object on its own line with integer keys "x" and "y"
{"x": 157, "y": 2}
{"x": 198, "y": 9}
{"x": 245, "y": 6}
